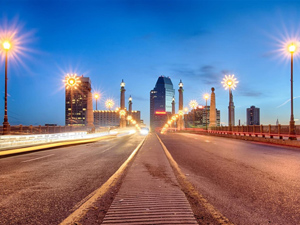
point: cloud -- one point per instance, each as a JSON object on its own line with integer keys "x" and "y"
{"x": 250, "y": 93}
{"x": 206, "y": 74}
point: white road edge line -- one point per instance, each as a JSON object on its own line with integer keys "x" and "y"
{"x": 80, "y": 212}
{"x": 37, "y": 158}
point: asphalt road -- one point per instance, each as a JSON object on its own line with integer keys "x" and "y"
{"x": 45, "y": 187}
{"x": 247, "y": 182}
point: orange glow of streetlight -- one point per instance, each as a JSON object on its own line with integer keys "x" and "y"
{"x": 122, "y": 112}
{"x": 71, "y": 81}
{"x": 229, "y": 82}
{"x": 109, "y": 103}
{"x": 206, "y": 96}
{"x": 193, "y": 104}
{"x": 15, "y": 39}
{"x": 6, "y": 45}
{"x": 129, "y": 117}
{"x": 292, "y": 48}
{"x": 96, "y": 96}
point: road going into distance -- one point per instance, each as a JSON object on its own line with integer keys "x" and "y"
{"x": 45, "y": 187}
{"x": 249, "y": 183}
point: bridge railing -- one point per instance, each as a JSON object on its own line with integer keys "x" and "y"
{"x": 271, "y": 131}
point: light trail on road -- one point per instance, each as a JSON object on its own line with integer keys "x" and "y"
{"x": 51, "y": 184}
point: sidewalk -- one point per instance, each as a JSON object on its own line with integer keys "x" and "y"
{"x": 150, "y": 193}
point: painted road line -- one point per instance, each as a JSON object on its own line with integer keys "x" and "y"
{"x": 113, "y": 180}
{"x": 189, "y": 189}
{"x": 37, "y": 158}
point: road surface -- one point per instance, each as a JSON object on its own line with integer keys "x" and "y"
{"x": 45, "y": 187}
{"x": 249, "y": 183}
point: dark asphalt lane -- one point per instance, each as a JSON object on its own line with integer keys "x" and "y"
{"x": 247, "y": 182}
{"x": 45, "y": 187}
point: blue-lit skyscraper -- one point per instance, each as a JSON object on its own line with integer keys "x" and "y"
{"x": 161, "y": 102}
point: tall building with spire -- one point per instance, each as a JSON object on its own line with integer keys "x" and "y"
{"x": 161, "y": 102}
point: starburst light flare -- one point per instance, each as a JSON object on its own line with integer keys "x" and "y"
{"x": 193, "y": 104}
{"x": 72, "y": 81}
{"x": 229, "y": 81}
{"x": 109, "y": 103}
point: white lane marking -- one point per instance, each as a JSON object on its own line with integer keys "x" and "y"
{"x": 37, "y": 158}
{"x": 207, "y": 141}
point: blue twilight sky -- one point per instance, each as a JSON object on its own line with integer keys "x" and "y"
{"x": 139, "y": 40}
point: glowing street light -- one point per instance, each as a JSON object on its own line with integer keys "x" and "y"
{"x": 109, "y": 103}
{"x": 206, "y": 96}
{"x": 96, "y": 97}
{"x": 122, "y": 112}
{"x": 292, "y": 131}
{"x": 229, "y": 82}
{"x": 6, "y": 45}
{"x": 71, "y": 81}
{"x": 193, "y": 104}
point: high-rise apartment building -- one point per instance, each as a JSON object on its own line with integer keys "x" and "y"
{"x": 253, "y": 117}
{"x": 161, "y": 102}
{"x": 82, "y": 104}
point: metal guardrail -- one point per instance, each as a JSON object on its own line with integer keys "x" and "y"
{"x": 271, "y": 131}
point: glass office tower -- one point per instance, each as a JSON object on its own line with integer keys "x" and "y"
{"x": 161, "y": 102}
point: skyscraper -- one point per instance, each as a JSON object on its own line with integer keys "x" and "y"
{"x": 161, "y": 102}
{"x": 82, "y": 105}
{"x": 253, "y": 117}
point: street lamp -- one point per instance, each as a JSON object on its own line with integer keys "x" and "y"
{"x": 206, "y": 96}
{"x": 6, "y": 46}
{"x": 109, "y": 103}
{"x": 292, "y": 133}
{"x": 193, "y": 104}
{"x": 71, "y": 81}
{"x": 96, "y": 97}
{"x": 229, "y": 82}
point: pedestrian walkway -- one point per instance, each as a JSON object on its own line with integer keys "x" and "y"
{"x": 150, "y": 193}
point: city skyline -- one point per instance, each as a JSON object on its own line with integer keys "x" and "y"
{"x": 138, "y": 41}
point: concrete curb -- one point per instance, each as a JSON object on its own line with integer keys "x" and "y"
{"x": 190, "y": 191}
{"x": 6, "y": 153}
{"x": 77, "y": 215}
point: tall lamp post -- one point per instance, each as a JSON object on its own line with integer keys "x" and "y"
{"x": 292, "y": 133}
{"x": 229, "y": 82}
{"x": 96, "y": 97}
{"x": 71, "y": 82}
{"x": 6, "y": 46}
{"x": 206, "y": 96}
{"x": 193, "y": 104}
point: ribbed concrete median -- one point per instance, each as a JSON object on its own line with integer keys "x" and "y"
{"x": 150, "y": 193}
